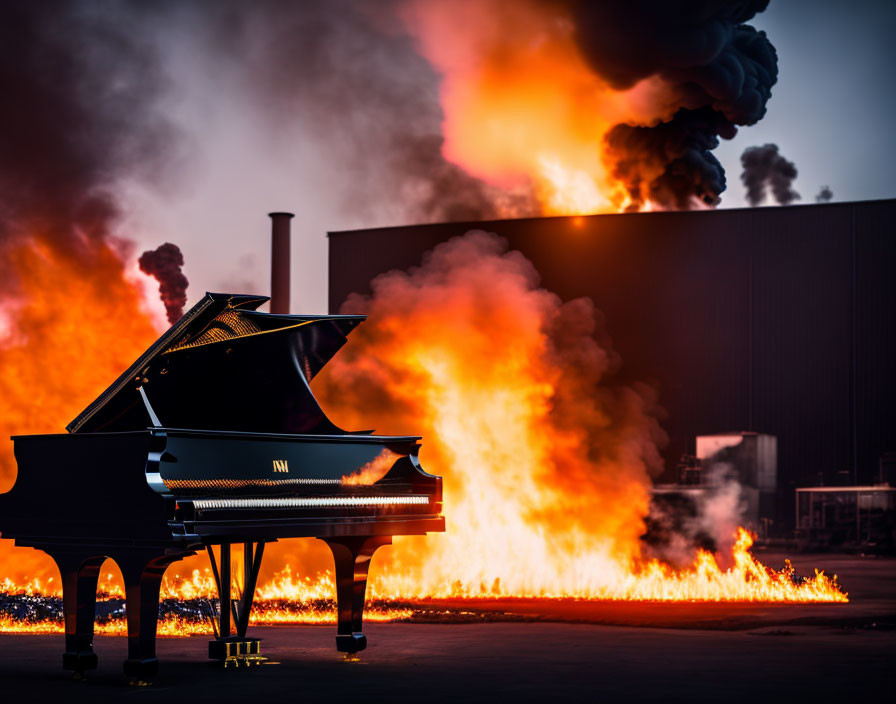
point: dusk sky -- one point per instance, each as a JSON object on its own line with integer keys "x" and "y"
{"x": 238, "y": 155}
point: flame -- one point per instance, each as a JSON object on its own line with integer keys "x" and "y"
{"x": 522, "y": 106}
{"x": 76, "y": 321}
{"x": 373, "y": 471}
{"x": 288, "y": 600}
{"x": 547, "y": 466}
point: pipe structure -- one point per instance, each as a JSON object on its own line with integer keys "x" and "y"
{"x": 280, "y": 235}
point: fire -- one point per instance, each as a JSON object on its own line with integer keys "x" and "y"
{"x": 521, "y": 105}
{"x": 547, "y": 466}
{"x": 373, "y": 471}
{"x": 75, "y": 323}
{"x": 287, "y": 599}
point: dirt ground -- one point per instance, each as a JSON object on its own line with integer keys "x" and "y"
{"x": 556, "y": 651}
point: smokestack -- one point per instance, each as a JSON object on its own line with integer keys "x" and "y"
{"x": 280, "y": 261}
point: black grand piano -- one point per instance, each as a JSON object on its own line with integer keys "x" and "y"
{"x": 213, "y": 437}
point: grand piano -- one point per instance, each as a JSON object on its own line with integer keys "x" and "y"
{"x": 214, "y": 438}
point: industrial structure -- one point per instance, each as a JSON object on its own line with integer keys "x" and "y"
{"x": 777, "y": 320}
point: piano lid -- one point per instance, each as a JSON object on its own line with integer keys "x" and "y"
{"x": 226, "y": 366}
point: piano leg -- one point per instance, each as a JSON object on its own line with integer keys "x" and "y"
{"x": 142, "y": 580}
{"x": 352, "y": 557}
{"x": 79, "y": 580}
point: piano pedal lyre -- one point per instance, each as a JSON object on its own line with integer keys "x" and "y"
{"x": 235, "y": 651}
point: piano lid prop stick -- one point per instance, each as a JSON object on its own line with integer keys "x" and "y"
{"x": 153, "y": 418}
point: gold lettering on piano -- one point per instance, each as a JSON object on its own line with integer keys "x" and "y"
{"x": 280, "y": 466}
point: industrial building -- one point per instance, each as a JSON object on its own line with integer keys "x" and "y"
{"x": 777, "y": 320}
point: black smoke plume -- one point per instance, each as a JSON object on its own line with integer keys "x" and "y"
{"x": 766, "y": 170}
{"x": 165, "y": 265}
{"x": 824, "y": 195}
{"x": 719, "y": 71}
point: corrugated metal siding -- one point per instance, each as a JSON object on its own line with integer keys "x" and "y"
{"x": 742, "y": 319}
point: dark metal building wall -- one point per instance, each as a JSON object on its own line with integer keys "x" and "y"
{"x": 801, "y": 341}
{"x": 779, "y": 320}
{"x": 875, "y": 325}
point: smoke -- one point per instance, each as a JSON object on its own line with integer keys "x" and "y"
{"x": 718, "y": 74}
{"x": 724, "y": 505}
{"x": 79, "y": 113}
{"x": 766, "y": 170}
{"x": 356, "y": 86}
{"x": 695, "y": 517}
{"x": 513, "y": 392}
{"x": 824, "y": 195}
{"x": 671, "y": 164}
{"x": 164, "y": 264}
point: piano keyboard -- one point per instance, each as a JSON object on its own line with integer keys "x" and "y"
{"x": 309, "y": 502}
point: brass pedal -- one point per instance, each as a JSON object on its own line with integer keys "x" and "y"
{"x": 229, "y": 649}
{"x": 242, "y": 661}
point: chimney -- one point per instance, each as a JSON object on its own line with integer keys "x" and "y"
{"x": 280, "y": 262}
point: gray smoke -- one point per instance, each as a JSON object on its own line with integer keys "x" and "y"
{"x": 720, "y": 70}
{"x": 704, "y": 516}
{"x": 355, "y": 81}
{"x": 348, "y": 69}
{"x": 83, "y": 92}
{"x": 824, "y": 195}
{"x": 165, "y": 265}
{"x": 765, "y": 170}
{"x": 79, "y": 93}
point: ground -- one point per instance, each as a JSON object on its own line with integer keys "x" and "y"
{"x": 687, "y": 653}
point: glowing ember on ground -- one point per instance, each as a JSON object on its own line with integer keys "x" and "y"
{"x": 187, "y": 604}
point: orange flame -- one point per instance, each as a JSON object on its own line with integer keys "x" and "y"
{"x": 547, "y": 467}
{"x": 521, "y": 104}
{"x": 373, "y": 471}
{"x": 75, "y": 324}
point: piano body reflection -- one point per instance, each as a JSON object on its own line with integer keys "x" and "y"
{"x": 213, "y": 437}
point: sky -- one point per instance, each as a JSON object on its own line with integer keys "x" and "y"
{"x": 830, "y": 113}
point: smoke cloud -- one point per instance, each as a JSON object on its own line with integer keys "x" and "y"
{"x": 766, "y": 170}
{"x": 515, "y": 398}
{"x": 718, "y": 72}
{"x": 694, "y": 517}
{"x": 164, "y": 264}
{"x": 357, "y": 86}
{"x": 824, "y": 195}
{"x": 597, "y": 96}
{"x": 79, "y": 112}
